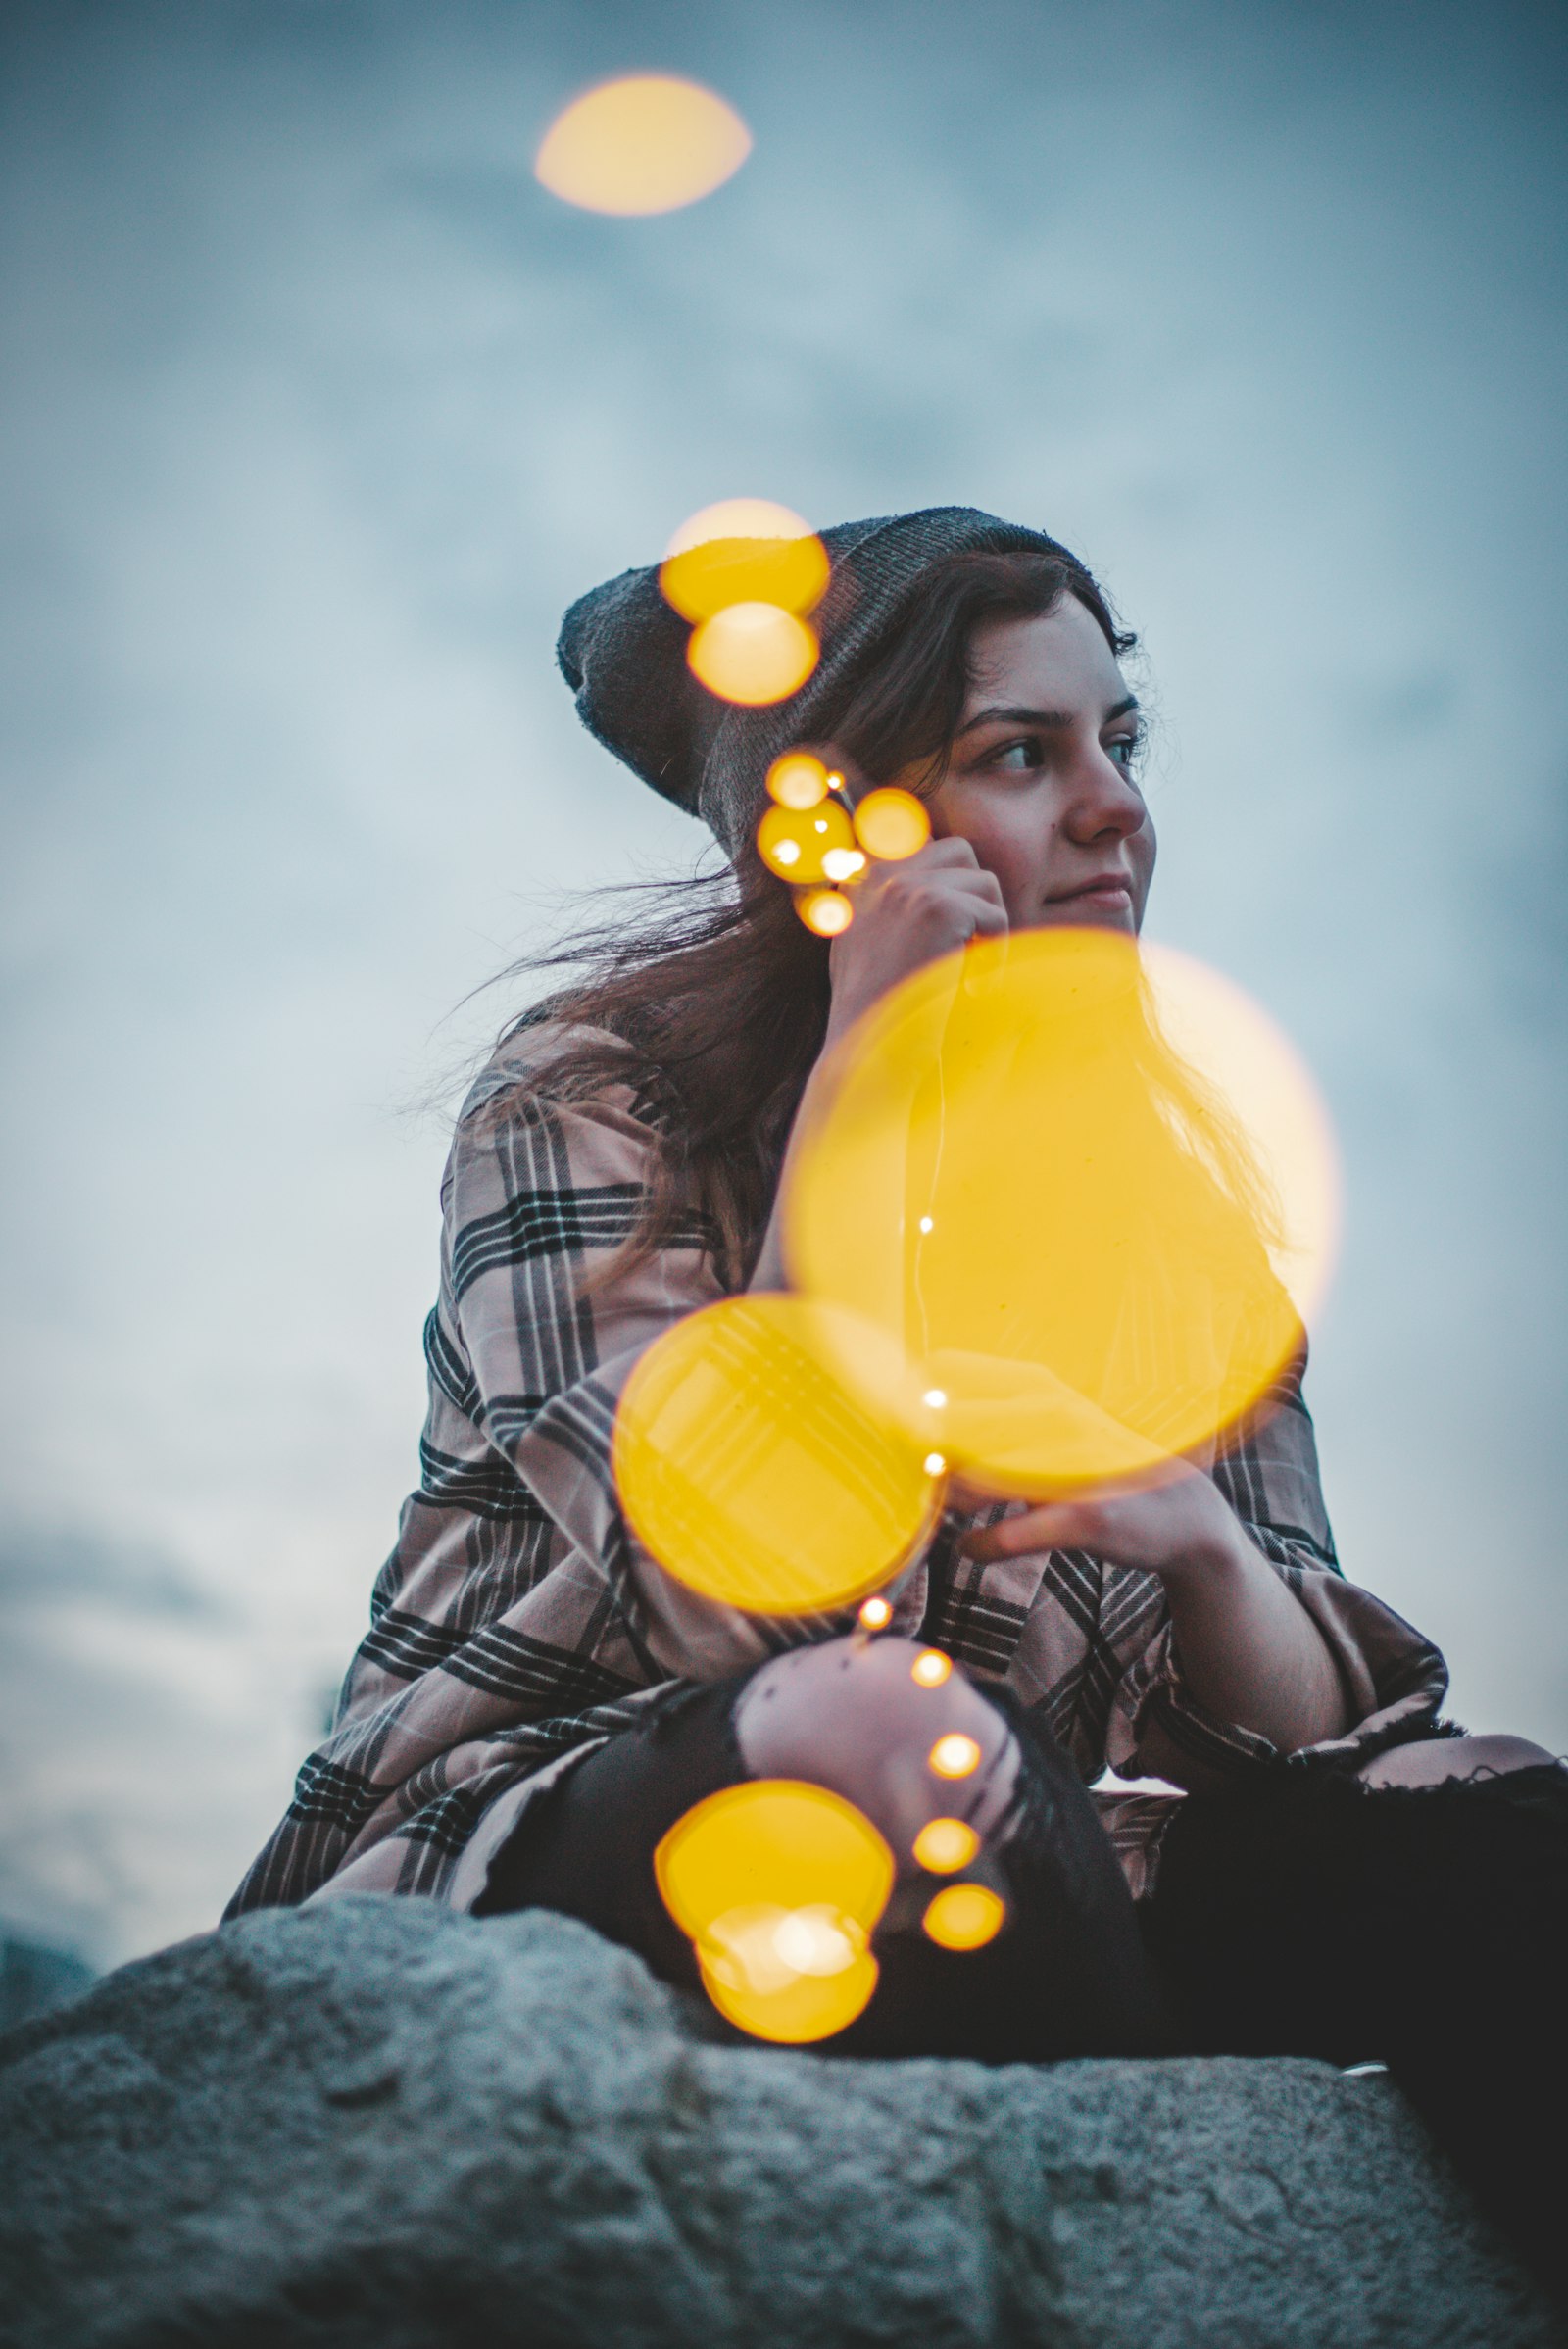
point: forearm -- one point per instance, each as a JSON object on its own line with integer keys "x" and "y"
{"x": 1250, "y": 1652}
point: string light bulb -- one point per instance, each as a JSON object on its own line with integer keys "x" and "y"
{"x": 797, "y": 780}
{"x": 945, "y": 1845}
{"x": 964, "y": 1916}
{"x": 892, "y": 824}
{"x": 827, "y": 911}
{"x": 954, "y": 1755}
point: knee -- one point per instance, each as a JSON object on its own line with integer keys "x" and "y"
{"x": 1433, "y": 1760}
{"x": 895, "y": 1728}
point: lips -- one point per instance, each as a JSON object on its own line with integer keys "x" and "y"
{"x": 1104, "y": 885}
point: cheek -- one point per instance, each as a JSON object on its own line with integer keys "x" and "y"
{"x": 1004, "y": 841}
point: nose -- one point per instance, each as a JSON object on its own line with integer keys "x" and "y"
{"x": 1105, "y": 803}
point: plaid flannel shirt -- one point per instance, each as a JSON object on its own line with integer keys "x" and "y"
{"x": 519, "y": 1622}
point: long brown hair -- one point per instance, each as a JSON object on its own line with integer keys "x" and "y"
{"x": 709, "y": 996}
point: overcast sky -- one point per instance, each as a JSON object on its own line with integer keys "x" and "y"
{"x": 318, "y": 412}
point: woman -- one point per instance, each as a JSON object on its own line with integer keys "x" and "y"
{"x": 537, "y": 1701}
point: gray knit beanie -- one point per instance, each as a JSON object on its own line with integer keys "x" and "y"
{"x": 622, "y": 651}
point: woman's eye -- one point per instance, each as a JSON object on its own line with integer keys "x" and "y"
{"x": 1124, "y": 751}
{"x": 1015, "y": 757}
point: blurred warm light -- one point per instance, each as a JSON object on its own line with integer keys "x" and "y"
{"x": 891, "y": 823}
{"x": 964, "y": 1916}
{"x": 825, "y": 912}
{"x": 1173, "y": 1250}
{"x": 646, "y": 143}
{"x": 875, "y": 1615}
{"x": 744, "y": 550}
{"x": 931, "y": 1668}
{"x": 797, "y": 780}
{"x": 779, "y": 1885}
{"x": 794, "y": 842}
{"x": 945, "y": 1845}
{"x": 819, "y": 1941}
{"x": 935, "y": 1463}
{"x": 843, "y": 864}
{"x": 954, "y": 1755}
{"x": 749, "y": 1470}
{"x": 752, "y": 652}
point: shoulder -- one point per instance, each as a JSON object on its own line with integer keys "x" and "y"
{"x": 558, "y": 1107}
{"x": 562, "y": 1065}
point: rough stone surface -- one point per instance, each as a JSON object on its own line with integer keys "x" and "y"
{"x": 379, "y": 2124}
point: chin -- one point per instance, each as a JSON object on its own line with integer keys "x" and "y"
{"x": 1085, "y": 914}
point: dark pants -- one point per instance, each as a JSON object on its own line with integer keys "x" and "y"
{"x": 1067, "y": 1976}
{"x": 1300, "y": 1912}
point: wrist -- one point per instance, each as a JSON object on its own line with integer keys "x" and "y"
{"x": 1220, "y": 1556}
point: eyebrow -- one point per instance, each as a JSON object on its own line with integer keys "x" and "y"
{"x": 1048, "y": 720}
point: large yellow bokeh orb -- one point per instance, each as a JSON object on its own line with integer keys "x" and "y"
{"x": 1086, "y": 1191}
{"x": 753, "y": 1474}
{"x": 744, "y": 550}
{"x": 752, "y": 652}
{"x": 779, "y": 1885}
{"x": 650, "y": 142}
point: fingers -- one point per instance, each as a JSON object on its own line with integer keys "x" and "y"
{"x": 1052, "y": 1526}
{"x": 909, "y": 914}
{"x": 849, "y": 1715}
{"x": 951, "y": 856}
{"x": 942, "y": 872}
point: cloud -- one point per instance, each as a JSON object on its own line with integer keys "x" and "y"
{"x": 54, "y": 1566}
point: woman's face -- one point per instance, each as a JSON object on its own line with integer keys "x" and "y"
{"x": 1040, "y": 781}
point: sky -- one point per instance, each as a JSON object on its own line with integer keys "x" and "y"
{"x": 318, "y": 412}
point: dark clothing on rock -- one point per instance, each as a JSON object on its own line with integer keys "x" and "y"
{"x": 1295, "y": 1913}
{"x": 1426, "y": 1926}
{"x": 1068, "y": 1974}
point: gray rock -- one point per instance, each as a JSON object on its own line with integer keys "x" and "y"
{"x": 377, "y": 2124}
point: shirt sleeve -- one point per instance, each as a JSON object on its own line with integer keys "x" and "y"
{"x": 1394, "y": 1679}
{"x": 519, "y": 1620}
{"x": 538, "y": 1201}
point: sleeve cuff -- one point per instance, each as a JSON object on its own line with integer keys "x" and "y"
{"x": 1396, "y": 1682}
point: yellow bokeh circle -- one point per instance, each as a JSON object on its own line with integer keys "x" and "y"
{"x": 644, "y": 143}
{"x": 945, "y": 1845}
{"x": 827, "y": 911}
{"x": 744, "y": 550}
{"x": 792, "y": 842}
{"x": 752, "y": 1474}
{"x": 965, "y": 1917}
{"x": 954, "y": 1755}
{"x": 779, "y": 1885}
{"x": 752, "y": 652}
{"x": 1086, "y": 1191}
{"x": 797, "y": 780}
{"x": 891, "y": 823}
